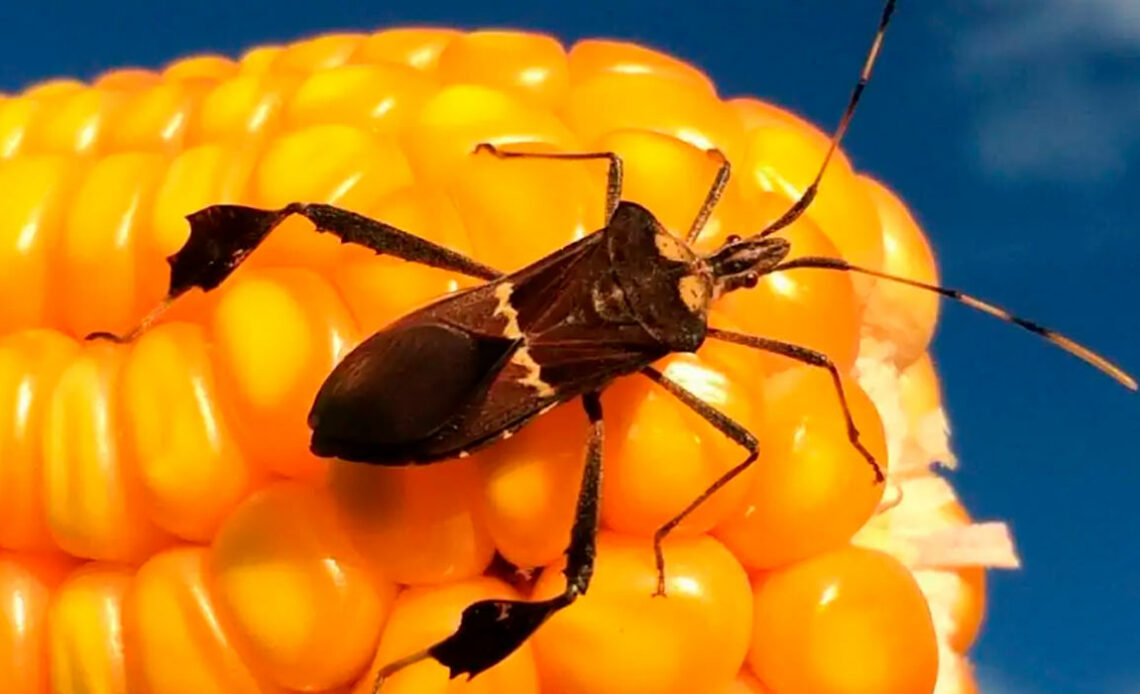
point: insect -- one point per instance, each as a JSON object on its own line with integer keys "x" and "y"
{"x": 476, "y": 366}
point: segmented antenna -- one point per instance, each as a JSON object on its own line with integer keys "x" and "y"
{"x": 1065, "y": 343}
{"x": 800, "y": 205}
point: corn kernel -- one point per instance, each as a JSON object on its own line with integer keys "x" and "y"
{"x": 591, "y": 57}
{"x": 173, "y": 612}
{"x": 895, "y": 312}
{"x": 619, "y": 638}
{"x": 191, "y": 469}
{"x": 847, "y": 622}
{"x": 418, "y": 524}
{"x": 30, "y": 365}
{"x": 108, "y": 213}
{"x": 419, "y": 48}
{"x": 530, "y": 65}
{"x": 277, "y": 333}
{"x": 88, "y": 647}
{"x": 92, "y": 493}
{"x": 812, "y": 489}
{"x": 27, "y": 584}
{"x": 38, "y": 188}
{"x": 288, "y": 578}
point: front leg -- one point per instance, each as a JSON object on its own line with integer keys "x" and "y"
{"x": 811, "y": 357}
{"x": 726, "y": 426}
{"x": 223, "y": 236}
{"x": 490, "y": 630}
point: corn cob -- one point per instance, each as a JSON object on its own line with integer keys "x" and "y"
{"x": 164, "y": 528}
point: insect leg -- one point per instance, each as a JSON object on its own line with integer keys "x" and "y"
{"x": 809, "y": 194}
{"x": 726, "y": 426}
{"x": 490, "y": 630}
{"x": 715, "y": 192}
{"x": 223, "y": 236}
{"x": 1071, "y": 346}
{"x": 814, "y": 358}
{"x": 613, "y": 176}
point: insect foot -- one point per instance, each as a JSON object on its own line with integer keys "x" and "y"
{"x": 490, "y": 631}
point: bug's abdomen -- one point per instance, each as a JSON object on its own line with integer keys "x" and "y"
{"x": 400, "y": 387}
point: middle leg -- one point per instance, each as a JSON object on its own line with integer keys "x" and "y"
{"x": 613, "y": 176}
{"x": 726, "y": 426}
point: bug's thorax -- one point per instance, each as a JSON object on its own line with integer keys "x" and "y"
{"x": 667, "y": 286}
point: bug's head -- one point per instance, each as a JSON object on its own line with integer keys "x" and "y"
{"x": 741, "y": 262}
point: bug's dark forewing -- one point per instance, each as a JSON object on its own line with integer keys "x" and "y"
{"x": 559, "y": 328}
{"x": 401, "y": 386}
{"x": 579, "y": 334}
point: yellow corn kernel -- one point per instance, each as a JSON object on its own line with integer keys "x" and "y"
{"x": 414, "y": 47}
{"x": 30, "y": 365}
{"x": 87, "y": 649}
{"x": 590, "y": 57}
{"x": 320, "y": 628}
{"x": 533, "y": 66}
{"x": 106, "y": 219}
{"x": 657, "y": 104}
{"x": 376, "y": 98}
{"x": 211, "y": 68}
{"x": 156, "y": 118}
{"x": 244, "y": 105}
{"x": 276, "y": 334}
{"x": 346, "y": 166}
{"x": 500, "y": 199}
{"x": 27, "y": 583}
{"x": 190, "y": 467}
{"x": 181, "y": 644}
{"x": 461, "y": 116}
{"x": 91, "y": 489}
{"x": 15, "y": 115}
{"x": 418, "y": 525}
{"x": 320, "y": 53}
{"x": 38, "y": 189}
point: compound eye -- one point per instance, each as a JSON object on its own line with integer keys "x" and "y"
{"x": 751, "y": 280}
{"x": 731, "y": 238}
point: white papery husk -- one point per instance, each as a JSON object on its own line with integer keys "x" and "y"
{"x": 920, "y": 521}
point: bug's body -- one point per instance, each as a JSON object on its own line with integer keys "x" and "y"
{"x": 478, "y": 365}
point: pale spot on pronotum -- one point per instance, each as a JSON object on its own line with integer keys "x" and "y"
{"x": 506, "y": 310}
{"x": 671, "y": 248}
{"x": 694, "y": 292}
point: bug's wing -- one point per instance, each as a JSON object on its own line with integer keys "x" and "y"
{"x": 400, "y": 386}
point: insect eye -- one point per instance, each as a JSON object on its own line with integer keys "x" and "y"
{"x": 731, "y": 238}
{"x": 751, "y": 280}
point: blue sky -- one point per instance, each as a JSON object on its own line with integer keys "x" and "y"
{"x": 1013, "y": 131}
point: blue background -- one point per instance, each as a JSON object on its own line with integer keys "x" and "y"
{"x": 1012, "y": 133}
